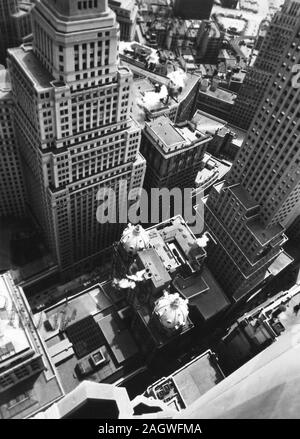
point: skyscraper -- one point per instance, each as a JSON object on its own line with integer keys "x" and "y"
{"x": 12, "y": 191}
{"x": 277, "y": 39}
{"x": 247, "y": 214}
{"x": 74, "y": 126}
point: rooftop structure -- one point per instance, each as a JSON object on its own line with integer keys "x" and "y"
{"x": 214, "y": 100}
{"x": 87, "y": 337}
{"x": 272, "y": 376}
{"x": 260, "y": 327}
{"x": 28, "y": 379}
{"x": 159, "y": 89}
{"x": 159, "y": 28}
{"x": 186, "y": 385}
{"x": 226, "y": 139}
{"x": 134, "y": 239}
{"x": 266, "y": 387}
{"x": 214, "y": 170}
{"x": 170, "y": 137}
{"x": 174, "y": 262}
{"x": 109, "y": 331}
{"x": 171, "y": 311}
{"x": 154, "y": 99}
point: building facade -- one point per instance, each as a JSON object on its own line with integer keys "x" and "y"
{"x": 73, "y": 121}
{"x": 126, "y": 12}
{"x": 174, "y": 153}
{"x": 248, "y": 213}
{"x": 215, "y": 100}
{"x": 12, "y": 189}
{"x": 279, "y": 36}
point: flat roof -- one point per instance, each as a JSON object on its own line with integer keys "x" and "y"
{"x": 204, "y": 292}
{"x": 31, "y": 66}
{"x": 243, "y": 196}
{"x": 118, "y": 338}
{"x": 69, "y": 311}
{"x": 152, "y": 262}
{"x": 165, "y": 130}
{"x": 162, "y": 250}
{"x": 13, "y": 338}
{"x": 239, "y": 134}
{"x": 221, "y": 94}
{"x": 280, "y": 263}
{"x": 94, "y": 325}
{"x": 207, "y": 123}
{"x": 42, "y": 388}
{"x": 174, "y": 137}
{"x": 261, "y": 233}
{"x": 197, "y": 377}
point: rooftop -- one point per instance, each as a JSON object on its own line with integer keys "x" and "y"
{"x": 239, "y": 134}
{"x": 13, "y": 337}
{"x": 164, "y": 129}
{"x": 172, "y": 137}
{"x": 220, "y": 94}
{"x": 187, "y": 384}
{"x": 153, "y": 92}
{"x": 151, "y": 262}
{"x": 208, "y": 124}
{"x": 242, "y": 195}
{"x": 86, "y": 326}
{"x": 261, "y": 233}
{"x": 204, "y": 293}
{"x": 268, "y": 322}
{"x": 21, "y": 341}
{"x": 32, "y": 67}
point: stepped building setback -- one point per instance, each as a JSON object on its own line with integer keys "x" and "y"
{"x": 74, "y": 126}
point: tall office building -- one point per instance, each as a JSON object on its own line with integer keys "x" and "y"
{"x": 247, "y": 214}
{"x": 12, "y": 191}
{"x": 73, "y": 120}
{"x": 277, "y": 39}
